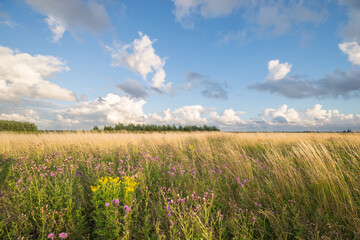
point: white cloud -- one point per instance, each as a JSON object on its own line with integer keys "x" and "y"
{"x": 23, "y": 75}
{"x": 113, "y": 109}
{"x": 56, "y": 27}
{"x": 227, "y": 117}
{"x": 352, "y": 49}
{"x": 110, "y": 109}
{"x": 28, "y": 115}
{"x": 66, "y": 120}
{"x": 278, "y": 70}
{"x": 283, "y": 114}
{"x": 140, "y": 57}
{"x": 72, "y": 15}
{"x": 314, "y": 118}
{"x": 186, "y": 115}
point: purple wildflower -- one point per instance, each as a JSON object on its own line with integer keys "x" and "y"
{"x": 63, "y": 235}
{"x": 107, "y": 204}
{"x": 51, "y": 235}
{"x": 127, "y": 208}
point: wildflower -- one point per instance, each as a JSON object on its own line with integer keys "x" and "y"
{"x": 107, "y": 204}
{"x": 116, "y": 201}
{"x": 51, "y": 235}
{"x": 20, "y": 180}
{"x": 63, "y": 235}
{"x": 127, "y": 208}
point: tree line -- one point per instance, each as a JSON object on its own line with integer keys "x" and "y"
{"x": 157, "y": 128}
{"x": 6, "y": 125}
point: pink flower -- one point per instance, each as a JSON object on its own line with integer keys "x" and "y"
{"x": 63, "y": 235}
{"x": 107, "y": 204}
{"x": 116, "y": 201}
{"x": 127, "y": 208}
{"x": 51, "y": 235}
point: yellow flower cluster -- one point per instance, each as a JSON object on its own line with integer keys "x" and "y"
{"x": 106, "y": 181}
{"x": 129, "y": 184}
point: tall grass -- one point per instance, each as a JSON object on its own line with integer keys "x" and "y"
{"x": 180, "y": 186}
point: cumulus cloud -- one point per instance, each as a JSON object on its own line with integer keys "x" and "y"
{"x": 278, "y": 70}
{"x": 228, "y": 117}
{"x": 333, "y": 85}
{"x": 209, "y": 88}
{"x": 133, "y": 88}
{"x": 186, "y": 115}
{"x": 66, "y": 120}
{"x": 140, "y": 57}
{"x": 282, "y": 118}
{"x": 28, "y": 115}
{"x": 113, "y": 109}
{"x": 72, "y": 15}
{"x": 283, "y": 114}
{"x": 23, "y": 75}
{"x": 104, "y": 110}
{"x": 314, "y": 118}
{"x": 352, "y": 49}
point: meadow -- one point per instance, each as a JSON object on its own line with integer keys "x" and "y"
{"x": 179, "y": 185}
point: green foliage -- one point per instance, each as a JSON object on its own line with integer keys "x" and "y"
{"x": 6, "y": 125}
{"x": 157, "y": 128}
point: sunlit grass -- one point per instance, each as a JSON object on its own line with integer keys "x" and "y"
{"x": 180, "y": 186}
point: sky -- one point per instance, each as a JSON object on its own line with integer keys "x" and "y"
{"x": 261, "y": 65}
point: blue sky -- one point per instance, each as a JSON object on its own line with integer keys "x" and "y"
{"x": 268, "y": 65}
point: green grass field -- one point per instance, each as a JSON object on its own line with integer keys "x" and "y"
{"x": 180, "y": 186}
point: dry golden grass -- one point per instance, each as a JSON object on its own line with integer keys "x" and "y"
{"x": 23, "y": 141}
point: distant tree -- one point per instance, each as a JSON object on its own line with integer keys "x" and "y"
{"x": 6, "y": 125}
{"x": 119, "y": 127}
{"x": 96, "y": 128}
{"x": 108, "y": 128}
